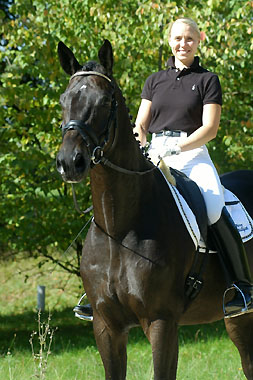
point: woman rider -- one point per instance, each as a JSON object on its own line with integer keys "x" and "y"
{"x": 181, "y": 107}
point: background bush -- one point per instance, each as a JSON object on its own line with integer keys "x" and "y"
{"x": 36, "y": 209}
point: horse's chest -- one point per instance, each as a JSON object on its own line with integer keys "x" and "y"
{"x": 113, "y": 270}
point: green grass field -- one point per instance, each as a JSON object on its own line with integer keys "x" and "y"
{"x": 205, "y": 351}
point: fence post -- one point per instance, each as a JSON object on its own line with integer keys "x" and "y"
{"x": 41, "y": 297}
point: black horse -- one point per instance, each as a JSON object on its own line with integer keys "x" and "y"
{"x": 138, "y": 252}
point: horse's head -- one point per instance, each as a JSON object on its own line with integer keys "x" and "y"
{"x": 88, "y": 106}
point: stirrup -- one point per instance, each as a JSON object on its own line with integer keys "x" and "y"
{"x": 81, "y": 316}
{"x": 244, "y": 310}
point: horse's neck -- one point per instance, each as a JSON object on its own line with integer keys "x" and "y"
{"x": 126, "y": 151}
{"x": 116, "y": 195}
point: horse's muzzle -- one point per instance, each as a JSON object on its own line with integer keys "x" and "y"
{"x": 73, "y": 168}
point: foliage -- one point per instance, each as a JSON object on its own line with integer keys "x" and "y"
{"x": 36, "y": 207}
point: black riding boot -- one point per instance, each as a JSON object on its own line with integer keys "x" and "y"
{"x": 233, "y": 255}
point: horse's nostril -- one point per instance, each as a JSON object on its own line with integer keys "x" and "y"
{"x": 58, "y": 165}
{"x": 79, "y": 161}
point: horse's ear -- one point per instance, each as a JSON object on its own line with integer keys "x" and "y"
{"x": 106, "y": 57}
{"x": 67, "y": 59}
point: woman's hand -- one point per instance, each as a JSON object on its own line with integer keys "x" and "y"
{"x": 166, "y": 151}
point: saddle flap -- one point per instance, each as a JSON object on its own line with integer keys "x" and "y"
{"x": 192, "y": 195}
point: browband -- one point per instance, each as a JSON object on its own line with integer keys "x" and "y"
{"x": 81, "y": 73}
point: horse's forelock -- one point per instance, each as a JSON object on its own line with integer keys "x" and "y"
{"x": 94, "y": 66}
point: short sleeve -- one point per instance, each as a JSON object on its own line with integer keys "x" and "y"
{"x": 213, "y": 92}
{"x": 147, "y": 90}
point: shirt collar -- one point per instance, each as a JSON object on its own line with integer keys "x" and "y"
{"x": 194, "y": 66}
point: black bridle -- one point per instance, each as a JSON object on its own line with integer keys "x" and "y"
{"x": 94, "y": 147}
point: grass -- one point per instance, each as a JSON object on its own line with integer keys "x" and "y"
{"x": 205, "y": 351}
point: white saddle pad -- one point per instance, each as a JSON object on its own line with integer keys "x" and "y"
{"x": 240, "y": 216}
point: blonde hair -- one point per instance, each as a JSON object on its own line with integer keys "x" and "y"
{"x": 188, "y": 21}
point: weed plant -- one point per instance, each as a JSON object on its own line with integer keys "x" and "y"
{"x": 44, "y": 336}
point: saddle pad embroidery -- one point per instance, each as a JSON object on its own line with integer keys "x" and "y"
{"x": 239, "y": 214}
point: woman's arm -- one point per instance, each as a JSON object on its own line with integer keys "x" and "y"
{"x": 207, "y": 132}
{"x": 142, "y": 121}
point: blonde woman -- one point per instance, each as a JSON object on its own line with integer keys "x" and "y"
{"x": 181, "y": 107}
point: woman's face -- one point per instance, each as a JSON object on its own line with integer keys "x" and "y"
{"x": 184, "y": 42}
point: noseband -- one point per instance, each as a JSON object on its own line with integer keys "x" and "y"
{"x": 87, "y": 133}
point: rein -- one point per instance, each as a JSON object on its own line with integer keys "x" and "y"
{"x": 108, "y": 163}
{"x": 101, "y": 229}
{"x": 76, "y": 204}
{"x": 122, "y": 245}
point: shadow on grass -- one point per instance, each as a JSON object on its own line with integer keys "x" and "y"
{"x": 70, "y": 332}
{"x": 74, "y": 334}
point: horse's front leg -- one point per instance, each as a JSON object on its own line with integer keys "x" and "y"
{"x": 112, "y": 348}
{"x": 163, "y": 337}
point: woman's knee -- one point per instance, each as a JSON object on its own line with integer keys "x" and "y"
{"x": 214, "y": 206}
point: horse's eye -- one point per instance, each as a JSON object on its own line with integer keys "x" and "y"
{"x": 106, "y": 102}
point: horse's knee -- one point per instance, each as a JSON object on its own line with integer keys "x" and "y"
{"x": 163, "y": 337}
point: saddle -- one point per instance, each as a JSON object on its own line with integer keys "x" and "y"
{"x": 192, "y": 195}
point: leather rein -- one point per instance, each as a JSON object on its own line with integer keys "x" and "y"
{"x": 97, "y": 154}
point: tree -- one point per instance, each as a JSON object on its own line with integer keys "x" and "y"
{"x": 37, "y": 215}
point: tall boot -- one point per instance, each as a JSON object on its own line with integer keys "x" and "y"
{"x": 233, "y": 255}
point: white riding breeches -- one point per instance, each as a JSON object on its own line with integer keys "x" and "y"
{"x": 198, "y": 166}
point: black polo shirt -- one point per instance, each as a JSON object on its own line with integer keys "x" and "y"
{"x": 178, "y": 96}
